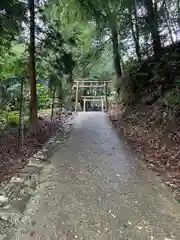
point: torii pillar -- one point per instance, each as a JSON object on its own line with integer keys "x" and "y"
{"x": 84, "y": 109}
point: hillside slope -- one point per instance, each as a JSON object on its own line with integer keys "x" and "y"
{"x": 147, "y": 111}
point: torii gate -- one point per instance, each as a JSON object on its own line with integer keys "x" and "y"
{"x": 92, "y": 84}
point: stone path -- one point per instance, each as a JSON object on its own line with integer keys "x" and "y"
{"x": 94, "y": 189}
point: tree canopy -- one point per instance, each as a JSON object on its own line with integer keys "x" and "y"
{"x": 60, "y": 41}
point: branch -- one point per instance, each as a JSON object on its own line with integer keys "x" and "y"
{"x": 162, "y": 5}
{"x": 104, "y": 43}
{"x": 110, "y": 38}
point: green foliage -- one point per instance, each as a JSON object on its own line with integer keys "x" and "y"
{"x": 102, "y": 67}
{"x": 13, "y": 12}
{"x": 12, "y": 62}
{"x": 8, "y": 119}
{"x": 44, "y": 101}
{"x": 13, "y": 119}
{"x": 3, "y": 121}
{"x": 138, "y": 77}
{"x": 172, "y": 96}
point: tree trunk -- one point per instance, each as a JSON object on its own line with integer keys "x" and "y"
{"x": 167, "y": 20}
{"x": 135, "y": 31}
{"x": 116, "y": 55}
{"x": 33, "y": 97}
{"x": 21, "y": 110}
{"x": 52, "y": 108}
{"x": 152, "y": 20}
{"x": 170, "y": 31}
{"x": 123, "y": 68}
{"x": 53, "y": 103}
{"x": 178, "y": 8}
{"x": 138, "y": 52}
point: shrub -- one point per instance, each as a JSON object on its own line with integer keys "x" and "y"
{"x": 13, "y": 120}
{"x": 3, "y": 122}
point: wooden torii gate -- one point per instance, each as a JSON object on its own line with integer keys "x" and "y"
{"x": 92, "y": 84}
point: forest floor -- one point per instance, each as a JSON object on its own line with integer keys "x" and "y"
{"x": 13, "y": 156}
{"x": 158, "y": 146}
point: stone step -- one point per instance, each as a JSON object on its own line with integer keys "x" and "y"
{"x": 10, "y": 214}
{"x": 28, "y": 175}
{"x": 34, "y": 162}
{"x": 30, "y": 170}
{"x": 9, "y": 191}
{"x": 20, "y": 203}
{"x": 3, "y": 199}
{"x": 40, "y": 155}
{"x": 17, "y": 179}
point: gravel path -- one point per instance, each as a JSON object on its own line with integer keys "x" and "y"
{"x": 96, "y": 190}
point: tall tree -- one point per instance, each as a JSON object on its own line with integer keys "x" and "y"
{"x": 133, "y": 20}
{"x": 152, "y": 20}
{"x": 167, "y": 21}
{"x": 115, "y": 46}
{"x": 32, "y": 66}
{"x": 178, "y": 10}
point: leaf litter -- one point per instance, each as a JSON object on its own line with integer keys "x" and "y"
{"x": 159, "y": 147}
{"x": 12, "y": 159}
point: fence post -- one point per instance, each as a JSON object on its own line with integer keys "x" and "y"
{"x": 77, "y": 90}
{"x": 21, "y": 124}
